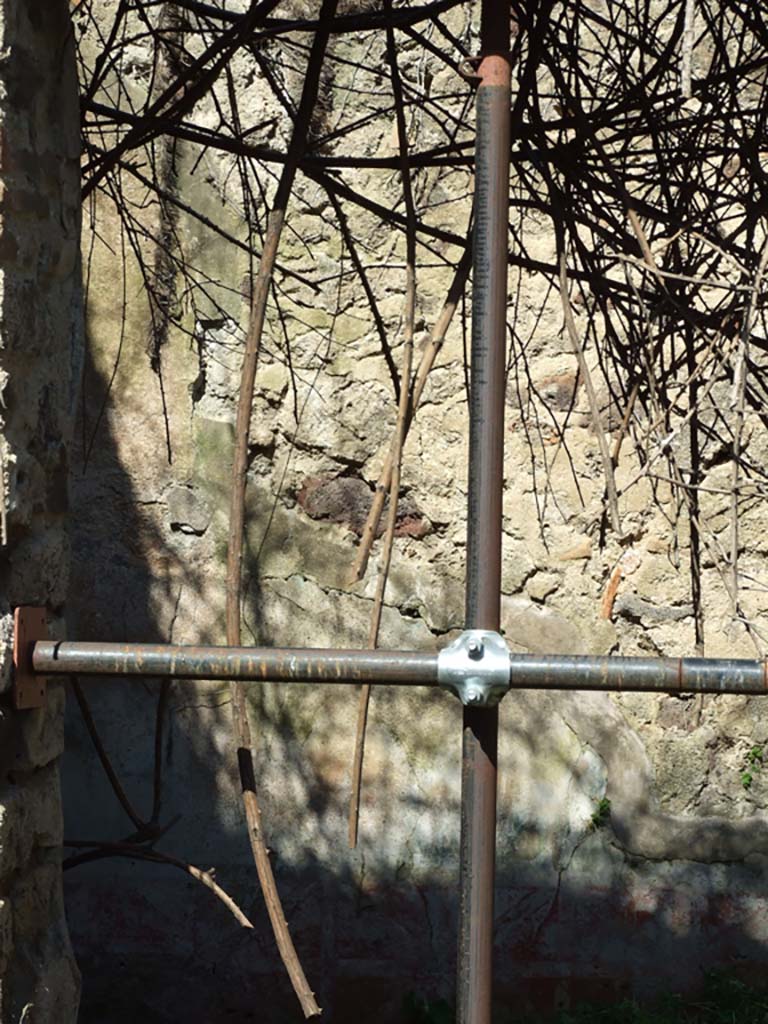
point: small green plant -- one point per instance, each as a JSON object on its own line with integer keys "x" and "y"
{"x": 419, "y": 1010}
{"x": 601, "y": 815}
{"x": 753, "y": 762}
{"x": 722, "y": 1000}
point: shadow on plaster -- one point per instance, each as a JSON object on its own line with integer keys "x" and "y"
{"x": 644, "y": 900}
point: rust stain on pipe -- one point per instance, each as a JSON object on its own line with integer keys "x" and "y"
{"x": 394, "y": 668}
{"x": 494, "y": 70}
{"x": 398, "y": 668}
{"x": 484, "y": 514}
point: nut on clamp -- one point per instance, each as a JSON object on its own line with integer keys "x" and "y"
{"x": 475, "y": 667}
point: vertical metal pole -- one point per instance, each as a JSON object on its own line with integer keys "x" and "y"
{"x": 486, "y": 468}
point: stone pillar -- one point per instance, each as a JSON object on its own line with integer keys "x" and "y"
{"x": 41, "y": 344}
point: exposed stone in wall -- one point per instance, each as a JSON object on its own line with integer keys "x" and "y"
{"x": 347, "y": 500}
{"x": 41, "y": 345}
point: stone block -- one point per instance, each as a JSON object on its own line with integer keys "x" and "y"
{"x": 540, "y": 630}
{"x": 42, "y": 973}
{"x": 6, "y": 940}
{"x": 188, "y": 511}
{"x": 30, "y": 819}
{"x": 39, "y": 736}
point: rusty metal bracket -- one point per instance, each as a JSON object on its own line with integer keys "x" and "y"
{"x": 468, "y": 69}
{"x": 29, "y": 688}
{"x": 475, "y": 667}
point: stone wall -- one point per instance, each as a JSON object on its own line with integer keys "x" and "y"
{"x": 631, "y": 853}
{"x": 41, "y": 348}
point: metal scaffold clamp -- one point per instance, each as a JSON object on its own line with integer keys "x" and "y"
{"x": 475, "y": 667}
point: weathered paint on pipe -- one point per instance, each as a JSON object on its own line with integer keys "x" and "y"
{"x": 306, "y": 665}
{"x": 484, "y": 514}
{"x": 394, "y": 668}
{"x": 666, "y": 675}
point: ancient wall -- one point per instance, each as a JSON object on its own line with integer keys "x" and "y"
{"x": 631, "y": 851}
{"x": 41, "y": 350}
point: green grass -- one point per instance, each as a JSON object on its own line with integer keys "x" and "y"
{"x": 723, "y": 1000}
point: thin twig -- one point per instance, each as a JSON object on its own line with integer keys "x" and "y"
{"x": 157, "y": 780}
{"x": 400, "y": 432}
{"x": 436, "y": 339}
{"x": 704, "y": 282}
{"x": 642, "y": 240}
{"x": 624, "y": 425}
{"x": 738, "y": 405}
{"x": 109, "y": 771}
{"x": 98, "y": 850}
{"x": 685, "y": 63}
{"x": 594, "y": 408}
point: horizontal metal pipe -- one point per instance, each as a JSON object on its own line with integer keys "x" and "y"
{"x": 396, "y": 668}
{"x": 668, "y": 675}
{"x": 280, "y": 665}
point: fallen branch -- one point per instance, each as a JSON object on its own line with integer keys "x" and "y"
{"x": 241, "y": 726}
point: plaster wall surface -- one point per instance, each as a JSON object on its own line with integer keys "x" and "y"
{"x": 631, "y": 855}
{"x": 41, "y": 349}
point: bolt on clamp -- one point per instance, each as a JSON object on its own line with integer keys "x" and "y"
{"x": 475, "y": 667}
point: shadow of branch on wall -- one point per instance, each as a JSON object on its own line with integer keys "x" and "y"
{"x": 585, "y": 908}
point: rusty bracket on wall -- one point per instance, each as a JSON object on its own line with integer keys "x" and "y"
{"x": 29, "y": 687}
